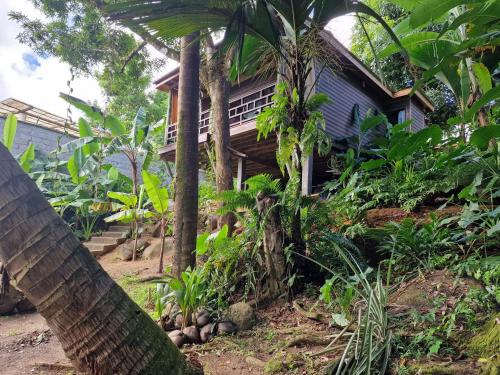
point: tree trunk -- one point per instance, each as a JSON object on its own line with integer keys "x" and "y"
{"x": 186, "y": 156}
{"x": 218, "y": 86}
{"x": 162, "y": 243}
{"x": 273, "y": 245}
{"x": 101, "y": 330}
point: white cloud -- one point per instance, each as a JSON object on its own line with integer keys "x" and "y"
{"x": 24, "y": 80}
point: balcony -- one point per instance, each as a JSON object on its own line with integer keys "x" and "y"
{"x": 242, "y": 109}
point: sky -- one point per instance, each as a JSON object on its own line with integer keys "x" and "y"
{"x": 39, "y": 80}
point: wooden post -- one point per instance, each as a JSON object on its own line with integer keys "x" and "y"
{"x": 242, "y": 164}
{"x": 307, "y": 174}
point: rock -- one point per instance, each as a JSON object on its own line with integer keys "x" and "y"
{"x": 226, "y": 328}
{"x": 177, "y": 338}
{"x": 206, "y": 332}
{"x": 202, "y": 318}
{"x": 153, "y": 251}
{"x": 14, "y": 301}
{"x": 241, "y": 314}
{"x": 154, "y": 229}
{"x": 126, "y": 249}
{"x": 192, "y": 334}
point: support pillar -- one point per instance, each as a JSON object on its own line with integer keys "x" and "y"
{"x": 307, "y": 174}
{"x": 242, "y": 164}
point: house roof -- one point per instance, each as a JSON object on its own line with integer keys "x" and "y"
{"x": 170, "y": 79}
{"x": 36, "y": 116}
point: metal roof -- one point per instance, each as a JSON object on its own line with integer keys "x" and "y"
{"x": 36, "y": 116}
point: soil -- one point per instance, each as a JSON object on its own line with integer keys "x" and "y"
{"x": 378, "y": 217}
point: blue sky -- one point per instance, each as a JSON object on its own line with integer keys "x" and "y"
{"x": 38, "y": 81}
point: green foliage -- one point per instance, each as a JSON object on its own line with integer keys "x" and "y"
{"x": 294, "y": 144}
{"x": 9, "y": 131}
{"x": 76, "y": 32}
{"x": 410, "y": 246}
{"x": 188, "y": 292}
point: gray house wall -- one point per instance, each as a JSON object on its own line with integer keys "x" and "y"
{"x": 344, "y": 94}
{"x": 45, "y": 141}
{"x": 417, "y": 114}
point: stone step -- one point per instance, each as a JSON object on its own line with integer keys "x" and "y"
{"x": 119, "y": 228}
{"x": 104, "y": 240}
{"x": 99, "y": 249}
{"x": 114, "y": 234}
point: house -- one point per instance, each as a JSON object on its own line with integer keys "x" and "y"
{"x": 354, "y": 88}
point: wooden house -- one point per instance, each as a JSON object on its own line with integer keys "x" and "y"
{"x": 353, "y": 88}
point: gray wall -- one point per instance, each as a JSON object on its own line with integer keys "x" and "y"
{"x": 45, "y": 141}
{"x": 417, "y": 114}
{"x": 344, "y": 94}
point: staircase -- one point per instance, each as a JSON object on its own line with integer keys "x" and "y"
{"x": 108, "y": 240}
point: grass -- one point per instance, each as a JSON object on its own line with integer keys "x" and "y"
{"x": 144, "y": 294}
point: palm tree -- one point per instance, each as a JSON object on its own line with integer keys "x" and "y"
{"x": 101, "y": 329}
{"x": 186, "y": 156}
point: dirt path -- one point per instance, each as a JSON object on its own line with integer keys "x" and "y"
{"x": 28, "y": 347}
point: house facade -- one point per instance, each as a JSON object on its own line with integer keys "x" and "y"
{"x": 353, "y": 90}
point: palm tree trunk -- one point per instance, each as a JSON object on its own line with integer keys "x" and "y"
{"x": 218, "y": 85}
{"x": 101, "y": 329}
{"x": 186, "y": 156}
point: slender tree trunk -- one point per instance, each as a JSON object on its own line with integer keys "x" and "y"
{"x": 273, "y": 245}
{"x": 100, "y": 328}
{"x": 162, "y": 244}
{"x": 186, "y": 156}
{"x": 218, "y": 85}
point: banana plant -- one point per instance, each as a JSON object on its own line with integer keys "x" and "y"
{"x": 462, "y": 55}
{"x": 130, "y": 210}
{"x": 91, "y": 150}
{"x": 158, "y": 197}
{"x": 9, "y": 134}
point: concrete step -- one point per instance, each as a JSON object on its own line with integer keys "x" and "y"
{"x": 119, "y": 228}
{"x": 104, "y": 240}
{"x": 114, "y": 234}
{"x": 99, "y": 249}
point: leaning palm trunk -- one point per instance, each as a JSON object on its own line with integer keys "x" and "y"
{"x": 102, "y": 331}
{"x": 186, "y": 156}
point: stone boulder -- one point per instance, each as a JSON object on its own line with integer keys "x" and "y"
{"x": 153, "y": 250}
{"x": 126, "y": 249}
{"x": 242, "y": 315}
{"x": 226, "y": 328}
{"x": 14, "y": 302}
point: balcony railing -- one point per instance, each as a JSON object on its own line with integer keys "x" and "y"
{"x": 241, "y": 109}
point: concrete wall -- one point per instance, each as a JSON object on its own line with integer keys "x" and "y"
{"x": 46, "y": 141}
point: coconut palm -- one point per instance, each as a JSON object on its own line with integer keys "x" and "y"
{"x": 101, "y": 330}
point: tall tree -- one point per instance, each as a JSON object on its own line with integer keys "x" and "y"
{"x": 186, "y": 156}
{"x": 218, "y": 60}
{"x": 101, "y": 329}
{"x": 75, "y": 32}
{"x": 218, "y": 66}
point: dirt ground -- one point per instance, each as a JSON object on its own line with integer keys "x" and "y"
{"x": 28, "y": 347}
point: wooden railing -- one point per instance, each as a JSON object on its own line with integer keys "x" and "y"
{"x": 241, "y": 109}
